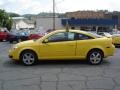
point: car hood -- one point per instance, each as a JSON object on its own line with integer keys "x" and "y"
{"x": 26, "y": 43}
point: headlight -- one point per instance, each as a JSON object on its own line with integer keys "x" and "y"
{"x": 14, "y": 47}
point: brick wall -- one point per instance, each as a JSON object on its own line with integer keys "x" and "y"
{"x": 85, "y": 14}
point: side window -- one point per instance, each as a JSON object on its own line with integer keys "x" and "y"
{"x": 83, "y": 37}
{"x": 62, "y": 36}
{"x": 71, "y": 36}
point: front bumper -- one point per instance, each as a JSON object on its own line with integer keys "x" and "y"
{"x": 13, "y": 55}
{"x": 10, "y": 56}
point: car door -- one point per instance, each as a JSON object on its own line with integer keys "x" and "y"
{"x": 60, "y": 45}
{"x": 84, "y": 43}
{"x": 3, "y": 35}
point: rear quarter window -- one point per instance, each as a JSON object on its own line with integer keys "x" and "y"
{"x": 83, "y": 37}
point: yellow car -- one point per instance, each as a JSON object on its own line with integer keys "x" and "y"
{"x": 116, "y": 39}
{"x": 61, "y": 45}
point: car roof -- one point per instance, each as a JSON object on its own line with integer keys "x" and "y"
{"x": 71, "y": 30}
{"x": 77, "y": 31}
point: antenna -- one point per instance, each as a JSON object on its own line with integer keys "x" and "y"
{"x": 67, "y": 25}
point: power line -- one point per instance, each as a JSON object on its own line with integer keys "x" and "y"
{"x": 53, "y": 14}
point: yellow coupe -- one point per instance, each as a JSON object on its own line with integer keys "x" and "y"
{"x": 61, "y": 45}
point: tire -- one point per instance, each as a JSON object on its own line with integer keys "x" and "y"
{"x": 28, "y": 58}
{"x": 11, "y": 41}
{"x": 95, "y": 57}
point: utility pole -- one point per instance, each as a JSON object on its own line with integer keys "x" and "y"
{"x": 53, "y": 14}
{"x": 96, "y": 29}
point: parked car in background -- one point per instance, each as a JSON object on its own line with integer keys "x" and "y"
{"x": 116, "y": 39}
{"x": 35, "y": 35}
{"x": 62, "y": 44}
{"x": 4, "y": 35}
{"x": 106, "y": 34}
{"x": 18, "y": 36}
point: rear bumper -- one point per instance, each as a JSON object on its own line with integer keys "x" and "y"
{"x": 110, "y": 51}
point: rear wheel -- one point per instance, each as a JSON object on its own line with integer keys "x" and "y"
{"x": 95, "y": 57}
{"x": 28, "y": 58}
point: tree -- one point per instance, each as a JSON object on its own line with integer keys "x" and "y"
{"x": 5, "y": 20}
{"x": 13, "y": 14}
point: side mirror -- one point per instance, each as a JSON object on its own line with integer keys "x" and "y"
{"x": 45, "y": 41}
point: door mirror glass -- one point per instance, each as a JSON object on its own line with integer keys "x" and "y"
{"x": 45, "y": 41}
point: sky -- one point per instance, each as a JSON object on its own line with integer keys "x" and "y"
{"x": 62, "y": 6}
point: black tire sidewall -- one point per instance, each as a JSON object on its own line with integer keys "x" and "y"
{"x": 11, "y": 41}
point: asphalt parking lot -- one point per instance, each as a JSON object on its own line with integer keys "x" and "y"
{"x": 59, "y": 75}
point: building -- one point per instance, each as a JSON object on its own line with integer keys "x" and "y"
{"x": 46, "y": 23}
{"x": 85, "y": 15}
{"x": 99, "y": 21}
{"x": 21, "y": 23}
{"x": 114, "y": 15}
{"x": 91, "y": 20}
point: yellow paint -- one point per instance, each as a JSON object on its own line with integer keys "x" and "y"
{"x": 77, "y": 49}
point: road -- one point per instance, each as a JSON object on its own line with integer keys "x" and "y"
{"x": 70, "y": 75}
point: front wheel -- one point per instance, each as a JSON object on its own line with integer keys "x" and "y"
{"x": 95, "y": 57}
{"x": 28, "y": 58}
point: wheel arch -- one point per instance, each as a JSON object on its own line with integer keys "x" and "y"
{"x": 31, "y": 50}
{"x": 96, "y": 49}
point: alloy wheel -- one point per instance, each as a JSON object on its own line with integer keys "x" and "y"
{"x": 95, "y": 57}
{"x": 28, "y": 58}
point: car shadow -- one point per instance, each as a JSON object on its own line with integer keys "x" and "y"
{"x": 56, "y": 64}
